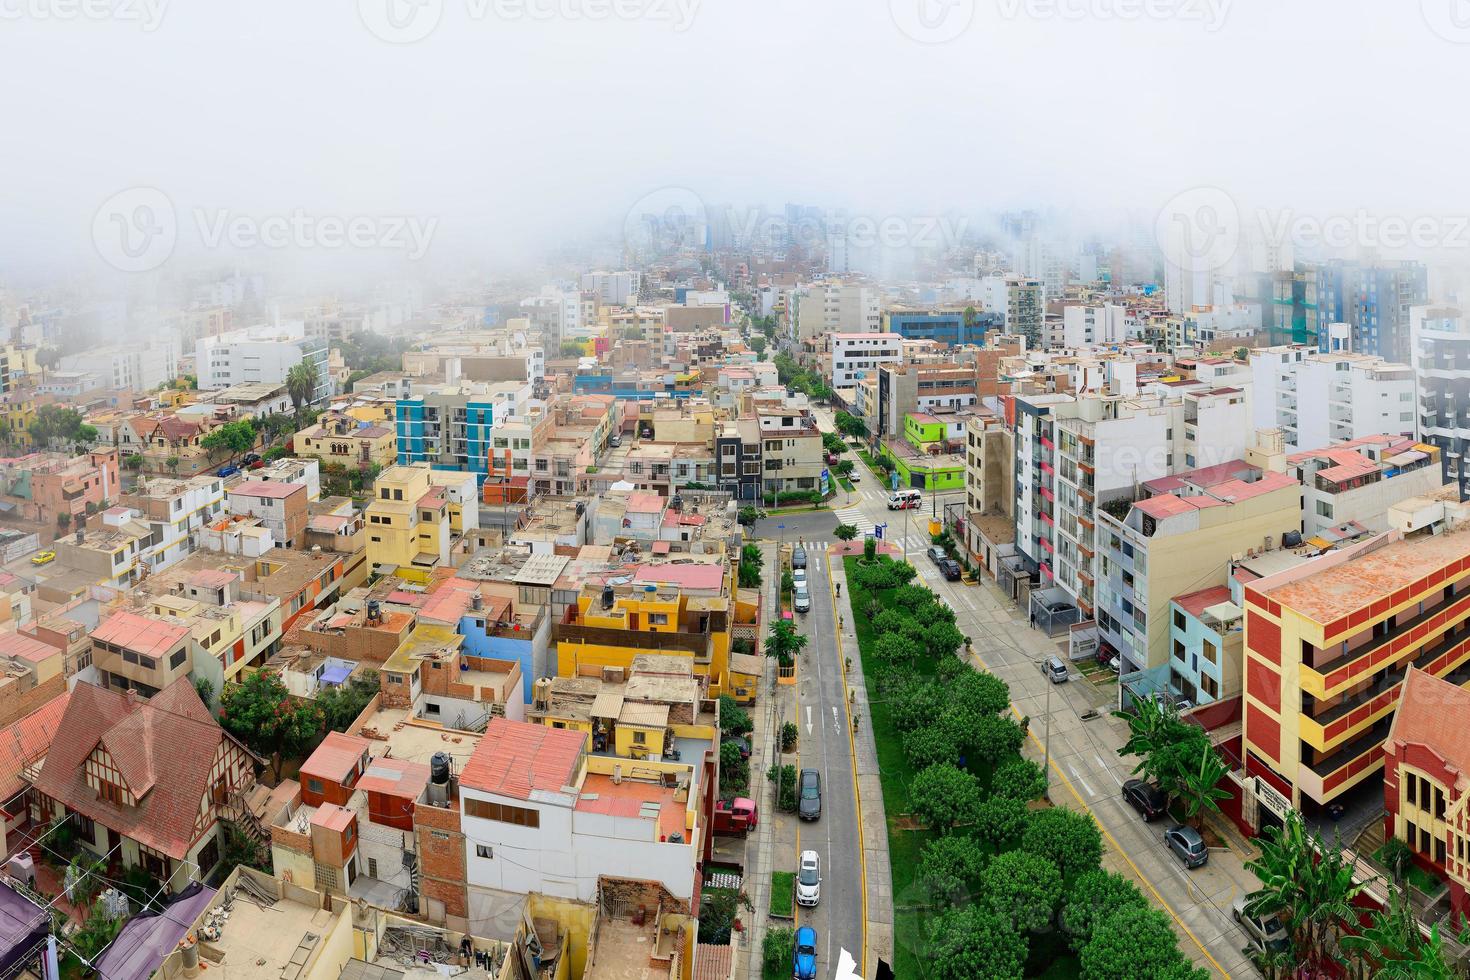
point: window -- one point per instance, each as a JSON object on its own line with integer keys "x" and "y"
{"x": 502, "y": 812}
{"x": 177, "y": 660}
{"x": 658, "y": 619}
{"x": 314, "y": 785}
{"x": 431, "y": 708}
{"x": 1179, "y": 619}
{"x": 640, "y": 738}
{"x": 1207, "y": 685}
{"x": 1208, "y": 649}
{"x": 1324, "y": 509}
{"x": 484, "y": 851}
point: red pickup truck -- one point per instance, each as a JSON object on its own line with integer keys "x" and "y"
{"x": 737, "y": 816}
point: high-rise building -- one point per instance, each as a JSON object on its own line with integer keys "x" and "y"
{"x": 1022, "y": 300}
{"x": 1441, "y": 351}
{"x": 1318, "y": 399}
{"x": 1375, "y": 299}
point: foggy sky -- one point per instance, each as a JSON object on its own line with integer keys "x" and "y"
{"x": 518, "y": 136}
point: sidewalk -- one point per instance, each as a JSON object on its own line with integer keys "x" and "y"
{"x": 879, "y": 876}
{"x": 773, "y": 845}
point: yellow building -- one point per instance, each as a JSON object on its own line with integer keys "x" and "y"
{"x": 349, "y": 441}
{"x": 17, "y": 412}
{"x": 683, "y": 608}
{"x": 407, "y": 522}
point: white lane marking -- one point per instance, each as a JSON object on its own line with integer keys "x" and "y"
{"x": 808, "y": 719}
{"x": 1078, "y": 776}
{"x": 835, "y": 726}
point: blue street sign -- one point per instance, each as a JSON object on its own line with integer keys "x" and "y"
{"x": 780, "y": 527}
{"x": 878, "y": 530}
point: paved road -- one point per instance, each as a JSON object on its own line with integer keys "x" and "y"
{"x": 1088, "y": 772}
{"x": 826, "y": 747}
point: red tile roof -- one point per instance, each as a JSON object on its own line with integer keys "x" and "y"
{"x": 515, "y": 758}
{"x": 336, "y": 757}
{"x": 26, "y": 741}
{"x": 26, "y": 648}
{"x": 164, "y": 748}
{"x": 262, "y": 488}
{"x": 1434, "y": 713}
{"x": 395, "y": 777}
{"x": 1197, "y": 602}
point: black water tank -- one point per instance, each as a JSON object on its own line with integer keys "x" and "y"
{"x": 607, "y": 597}
{"x": 439, "y": 768}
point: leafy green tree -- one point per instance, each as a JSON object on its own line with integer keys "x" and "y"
{"x": 943, "y": 639}
{"x": 133, "y": 461}
{"x": 913, "y": 702}
{"x": 1023, "y": 888}
{"x": 734, "y": 770}
{"x": 1309, "y": 882}
{"x": 53, "y": 422}
{"x": 1135, "y": 943}
{"x": 896, "y": 650}
{"x": 1093, "y": 897}
{"x": 343, "y": 703}
{"x": 777, "y": 948}
{"x": 262, "y": 713}
{"x": 944, "y": 795}
{"x": 734, "y": 720}
{"x": 870, "y": 548}
{"x": 86, "y": 434}
{"x": 785, "y": 779}
{"x": 1068, "y": 839}
{"x": 232, "y": 438}
{"x": 748, "y": 516}
{"x": 927, "y": 745}
{"x": 971, "y": 941}
{"x": 980, "y": 692}
{"x": 717, "y": 917}
{"x": 784, "y": 642}
{"x": 845, "y": 467}
{"x": 913, "y": 598}
{"x": 570, "y": 348}
{"x": 204, "y": 687}
{"x": 1019, "y": 779}
{"x": 301, "y": 382}
{"x": 173, "y": 464}
{"x": 758, "y": 344}
{"x": 996, "y": 738}
{"x": 850, "y": 425}
{"x": 845, "y": 532}
{"x": 950, "y": 868}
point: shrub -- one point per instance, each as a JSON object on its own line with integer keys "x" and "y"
{"x": 785, "y": 779}
{"x": 789, "y": 735}
{"x": 777, "y": 949}
{"x": 1019, "y": 779}
{"x": 734, "y": 720}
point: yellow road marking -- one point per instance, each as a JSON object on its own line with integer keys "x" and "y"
{"x": 1109, "y": 837}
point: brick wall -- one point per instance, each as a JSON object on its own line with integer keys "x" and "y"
{"x": 441, "y": 857}
{"x": 15, "y": 703}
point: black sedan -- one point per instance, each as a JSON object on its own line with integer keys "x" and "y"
{"x": 1146, "y": 798}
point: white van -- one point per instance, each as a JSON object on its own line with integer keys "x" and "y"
{"x": 905, "y": 500}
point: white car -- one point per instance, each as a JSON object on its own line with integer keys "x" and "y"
{"x": 809, "y": 880}
{"x": 798, "y": 576}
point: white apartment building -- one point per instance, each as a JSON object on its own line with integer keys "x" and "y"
{"x": 1106, "y": 446}
{"x": 1083, "y": 326}
{"x": 834, "y": 307}
{"x": 858, "y": 355}
{"x": 1023, "y": 301}
{"x": 613, "y": 288}
{"x": 334, "y": 328}
{"x": 262, "y": 354}
{"x": 1320, "y": 399}
{"x": 175, "y": 511}
{"x": 539, "y": 814}
{"x": 140, "y": 367}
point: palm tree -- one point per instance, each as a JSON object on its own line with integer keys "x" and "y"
{"x": 1308, "y": 882}
{"x": 784, "y": 642}
{"x": 1198, "y": 785}
{"x": 301, "y": 384}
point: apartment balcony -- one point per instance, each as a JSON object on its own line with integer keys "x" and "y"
{"x": 1047, "y": 468}
{"x": 1048, "y": 444}
{"x": 1319, "y": 681}
{"x": 1046, "y": 493}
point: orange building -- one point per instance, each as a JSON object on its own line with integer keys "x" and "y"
{"x": 1327, "y": 645}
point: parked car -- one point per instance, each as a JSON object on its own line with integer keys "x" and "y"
{"x": 736, "y": 816}
{"x": 1188, "y": 846}
{"x": 798, "y": 576}
{"x": 1265, "y": 933}
{"x": 854, "y": 478}
{"x": 808, "y": 879}
{"x": 741, "y": 741}
{"x": 798, "y": 557}
{"x": 614, "y": 441}
{"x": 1146, "y": 798}
{"x": 249, "y": 458}
{"x": 43, "y": 557}
{"x": 1055, "y": 670}
{"x": 802, "y": 599}
{"x": 259, "y": 464}
{"x": 809, "y": 794}
{"x": 951, "y": 569}
{"x": 230, "y": 470}
{"x": 1116, "y": 665}
{"x": 804, "y": 955}
{"x": 936, "y": 555}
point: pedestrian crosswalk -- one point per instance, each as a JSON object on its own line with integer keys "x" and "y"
{"x": 865, "y": 525}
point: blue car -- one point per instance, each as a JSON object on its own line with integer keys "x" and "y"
{"x": 804, "y": 958}
{"x": 228, "y": 470}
